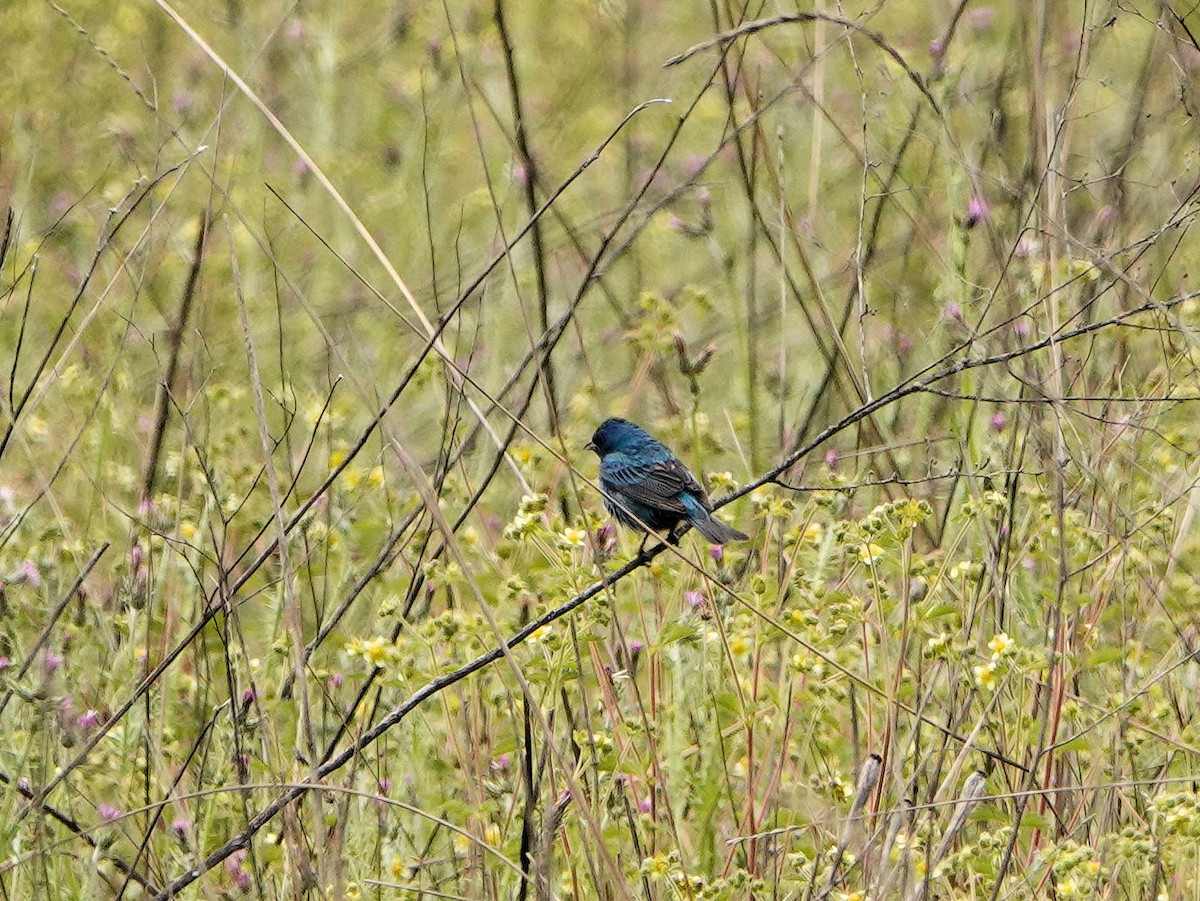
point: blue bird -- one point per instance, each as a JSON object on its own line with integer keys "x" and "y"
{"x": 645, "y": 485}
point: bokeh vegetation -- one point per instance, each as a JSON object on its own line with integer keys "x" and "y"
{"x": 308, "y": 311}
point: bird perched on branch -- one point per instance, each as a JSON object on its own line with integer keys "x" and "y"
{"x": 645, "y": 485}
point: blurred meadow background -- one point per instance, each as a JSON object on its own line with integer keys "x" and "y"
{"x": 309, "y": 309}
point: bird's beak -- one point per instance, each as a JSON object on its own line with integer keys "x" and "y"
{"x": 591, "y": 445}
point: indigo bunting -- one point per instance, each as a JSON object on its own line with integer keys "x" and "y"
{"x": 643, "y": 480}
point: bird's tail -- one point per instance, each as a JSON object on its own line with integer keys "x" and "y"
{"x": 712, "y": 528}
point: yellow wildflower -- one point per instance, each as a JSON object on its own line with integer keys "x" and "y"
{"x": 570, "y": 537}
{"x": 985, "y": 676}
{"x": 1001, "y": 645}
{"x": 870, "y": 553}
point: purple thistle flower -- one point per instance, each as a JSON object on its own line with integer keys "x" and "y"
{"x": 87, "y": 720}
{"x": 694, "y": 164}
{"x": 51, "y": 661}
{"x": 717, "y": 552}
{"x": 181, "y": 825}
{"x": 977, "y": 211}
{"x": 108, "y": 812}
{"x": 999, "y": 421}
{"x": 981, "y": 18}
{"x": 30, "y": 573}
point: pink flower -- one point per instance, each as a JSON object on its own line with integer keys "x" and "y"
{"x": 51, "y": 661}
{"x": 29, "y": 572}
{"x": 999, "y": 421}
{"x": 977, "y": 211}
{"x": 87, "y": 720}
{"x": 981, "y": 18}
{"x": 605, "y": 538}
{"x": 694, "y": 164}
{"x": 644, "y": 805}
{"x": 954, "y": 311}
{"x": 694, "y": 599}
{"x": 717, "y": 552}
{"x": 831, "y": 458}
{"x": 108, "y": 813}
{"x": 336, "y": 680}
{"x": 181, "y": 825}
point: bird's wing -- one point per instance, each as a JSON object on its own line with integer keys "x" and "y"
{"x": 658, "y": 485}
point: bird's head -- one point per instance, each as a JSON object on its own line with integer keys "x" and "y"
{"x": 618, "y": 435}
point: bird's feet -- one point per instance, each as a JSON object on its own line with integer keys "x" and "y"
{"x": 645, "y": 556}
{"x": 642, "y": 556}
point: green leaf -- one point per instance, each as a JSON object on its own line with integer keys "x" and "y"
{"x": 1105, "y": 655}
